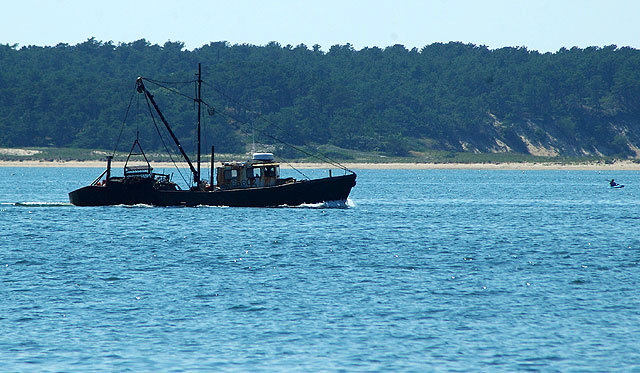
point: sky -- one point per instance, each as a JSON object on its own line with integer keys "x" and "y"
{"x": 542, "y": 25}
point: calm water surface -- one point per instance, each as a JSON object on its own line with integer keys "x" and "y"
{"x": 431, "y": 270}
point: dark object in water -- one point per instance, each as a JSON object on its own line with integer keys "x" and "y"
{"x": 613, "y": 184}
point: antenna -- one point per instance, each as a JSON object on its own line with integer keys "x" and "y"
{"x": 253, "y": 141}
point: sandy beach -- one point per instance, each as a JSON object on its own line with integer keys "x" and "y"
{"x": 620, "y": 165}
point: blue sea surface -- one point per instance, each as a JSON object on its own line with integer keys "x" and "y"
{"x": 426, "y": 270}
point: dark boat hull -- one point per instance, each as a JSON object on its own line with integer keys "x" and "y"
{"x": 335, "y": 188}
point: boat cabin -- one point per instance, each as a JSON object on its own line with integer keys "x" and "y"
{"x": 260, "y": 171}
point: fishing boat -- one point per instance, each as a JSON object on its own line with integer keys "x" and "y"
{"x": 255, "y": 182}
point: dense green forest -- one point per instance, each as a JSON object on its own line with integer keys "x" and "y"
{"x": 454, "y": 96}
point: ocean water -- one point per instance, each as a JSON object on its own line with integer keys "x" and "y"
{"x": 429, "y": 270}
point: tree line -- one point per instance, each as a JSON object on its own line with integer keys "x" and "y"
{"x": 453, "y": 96}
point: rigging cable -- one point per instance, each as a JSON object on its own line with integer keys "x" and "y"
{"x": 317, "y": 155}
{"x": 124, "y": 121}
{"x": 232, "y": 121}
{"x": 161, "y": 85}
{"x": 153, "y": 118}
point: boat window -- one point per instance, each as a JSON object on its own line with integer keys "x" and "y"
{"x": 230, "y": 174}
{"x": 253, "y": 172}
{"x": 270, "y": 171}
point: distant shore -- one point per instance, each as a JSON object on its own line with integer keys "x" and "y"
{"x": 619, "y": 165}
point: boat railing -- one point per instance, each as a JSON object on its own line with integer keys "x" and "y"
{"x": 161, "y": 177}
{"x": 137, "y": 170}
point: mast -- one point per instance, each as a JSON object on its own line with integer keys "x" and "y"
{"x": 196, "y": 177}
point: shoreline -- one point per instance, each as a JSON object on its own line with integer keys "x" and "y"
{"x": 620, "y": 165}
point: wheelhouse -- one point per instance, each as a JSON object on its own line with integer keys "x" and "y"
{"x": 260, "y": 171}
